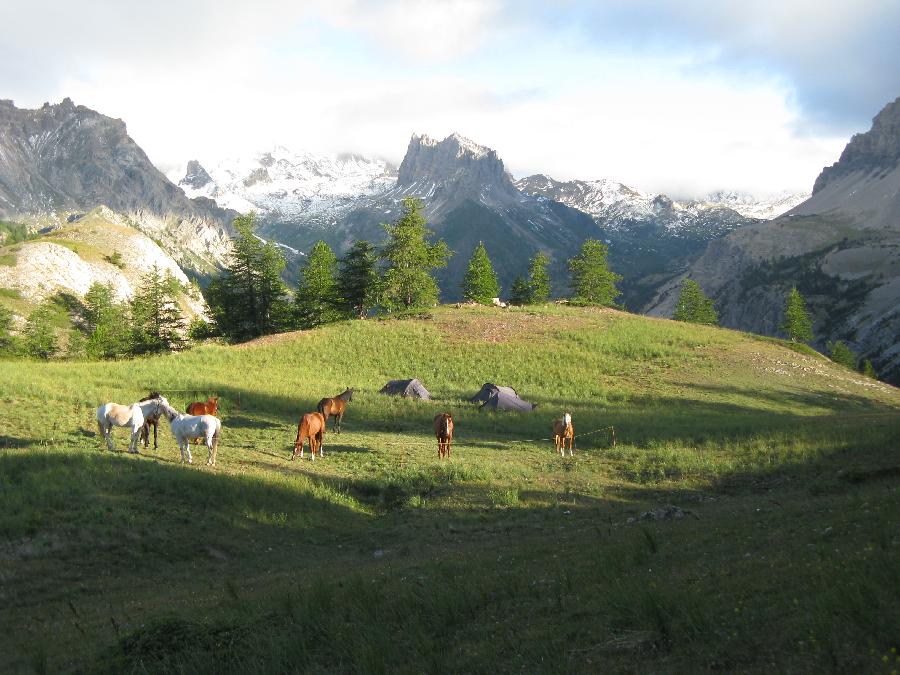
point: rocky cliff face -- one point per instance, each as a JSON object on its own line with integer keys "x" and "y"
{"x": 841, "y": 248}
{"x": 63, "y": 159}
{"x": 71, "y": 258}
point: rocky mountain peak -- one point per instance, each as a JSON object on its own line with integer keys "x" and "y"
{"x": 195, "y": 176}
{"x": 454, "y": 161}
{"x": 875, "y": 151}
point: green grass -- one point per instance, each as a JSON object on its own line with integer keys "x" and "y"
{"x": 380, "y": 557}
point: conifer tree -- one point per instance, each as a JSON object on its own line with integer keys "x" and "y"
{"x": 868, "y": 369}
{"x": 40, "y": 336}
{"x": 694, "y": 306}
{"x": 592, "y": 282}
{"x": 250, "y": 298}
{"x": 480, "y": 281}
{"x": 797, "y": 323}
{"x": 357, "y": 279}
{"x": 105, "y": 322}
{"x": 519, "y": 293}
{"x": 157, "y": 321}
{"x": 316, "y": 299}
{"x": 407, "y": 282}
{"x": 538, "y": 279}
{"x": 841, "y": 353}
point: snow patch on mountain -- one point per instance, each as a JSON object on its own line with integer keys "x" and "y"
{"x": 284, "y": 185}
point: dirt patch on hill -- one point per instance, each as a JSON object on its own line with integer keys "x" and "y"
{"x": 504, "y": 326}
{"x": 275, "y": 339}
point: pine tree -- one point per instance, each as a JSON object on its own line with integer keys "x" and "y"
{"x": 868, "y": 369}
{"x": 797, "y": 323}
{"x": 250, "y": 298}
{"x": 592, "y": 282}
{"x": 105, "y": 322}
{"x": 40, "y": 336}
{"x": 480, "y": 281}
{"x": 157, "y": 321}
{"x": 538, "y": 279}
{"x": 407, "y": 282}
{"x": 316, "y": 299}
{"x": 841, "y": 353}
{"x": 694, "y": 306}
{"x": 519, "y": 292}
{"x": 357, "y": 279}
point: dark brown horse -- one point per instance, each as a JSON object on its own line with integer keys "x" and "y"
{"x": 210, "y": 407}
{"x": 312, "y": 426}
{"x": 335, "y": 407}
{"x": 443, "y": 431}
{"x": 150, "y": 420}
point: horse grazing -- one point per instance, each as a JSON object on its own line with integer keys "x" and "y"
{"x": 335, "y": 407}
{"x": 111, "y": 415}
{"x": 312, "y": 426}
{"x": 563, "y": 431}
{"x": 443, "y": 431}
{"x": 150, "y": 420}
{"x": 211, "y": 407}
{"x": 186, "y": 427}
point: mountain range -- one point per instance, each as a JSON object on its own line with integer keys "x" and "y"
{"x": 840, "y": 247}
{"x": 469, "y": 197}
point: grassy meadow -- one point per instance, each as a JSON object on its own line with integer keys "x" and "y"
{"x": 507, "y": 557}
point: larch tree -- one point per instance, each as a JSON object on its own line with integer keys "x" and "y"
{"x": 158, "y": 323}
{"x": 538, "y": 279}
{"x": 592, "y": 282}
{"x": 105, "y": 323}
{"x": 480, "y": 281}
{"x": 250, "y": 298}
{"x": 407, "y": 282}
{"x": 357, "y": 279}
{"x": 316, "y": 300}
{"x": 519, "y": 293}
{"x": 694, "y": 306}
{"x": 40, "y": 336}
{"x": 797, "y": 323}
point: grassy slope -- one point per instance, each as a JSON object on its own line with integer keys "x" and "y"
{"x": 506, "y": 557}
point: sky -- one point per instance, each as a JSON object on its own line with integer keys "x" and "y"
{"x": 676, "y": 96}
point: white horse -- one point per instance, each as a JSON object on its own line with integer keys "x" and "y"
{"x": 111, "y": 415}
{"x": 186, "y": 427}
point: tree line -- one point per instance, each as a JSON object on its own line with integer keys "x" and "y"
{"x": 250, "y": 298}
{"x": 694, "y": 306}
{"x": 101, "y": 326}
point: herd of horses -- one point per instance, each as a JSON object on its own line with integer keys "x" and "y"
{"x": 201, "y": 423}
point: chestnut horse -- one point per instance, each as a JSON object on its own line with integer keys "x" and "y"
{"x": 150, "y": 419}
{"x": 335, "y": 407}
{"x": 443, "y": 431}
{"x": 312, "y": 426}
{"x": 562, "y": 431}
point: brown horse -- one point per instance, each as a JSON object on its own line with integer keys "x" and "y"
{"x": 335, "y": 407}
{"x": 312, "y": 426}
{"x": 443, "y": 431}
{"x": 211, "y": 407}
{"x": 563, "y": 430}
{"x": 150, "y": 420}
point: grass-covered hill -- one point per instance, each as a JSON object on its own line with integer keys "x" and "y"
{"x": 784, "y": 467}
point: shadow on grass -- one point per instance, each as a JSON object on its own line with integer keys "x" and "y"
{"x": 12, "y": 442}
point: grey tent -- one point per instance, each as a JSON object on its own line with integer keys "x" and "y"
{"x": 500, "y": 398}
{"x": 412, "y": 388}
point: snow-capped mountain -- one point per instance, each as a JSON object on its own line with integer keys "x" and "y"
{"x": 290, "y": 186}
{"x": 763, "y": 207}
{"x": 620, "y": 206}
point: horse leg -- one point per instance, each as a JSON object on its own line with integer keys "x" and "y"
{"x": 155, "y": 429}
{"x": 339, "y": 419}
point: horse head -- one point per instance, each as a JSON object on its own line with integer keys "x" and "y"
{"x": 213, "y": 402}
{"x": 347, "y": 395}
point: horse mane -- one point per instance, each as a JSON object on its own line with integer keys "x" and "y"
{"x": 149, "y": 397}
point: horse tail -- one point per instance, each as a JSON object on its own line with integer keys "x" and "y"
{"x": 321, "y": 407}
{"x": 215, "y": 440}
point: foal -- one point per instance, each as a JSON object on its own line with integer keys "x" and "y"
{"x": 443, "y": 431}
{"x": 562, "y": 431}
